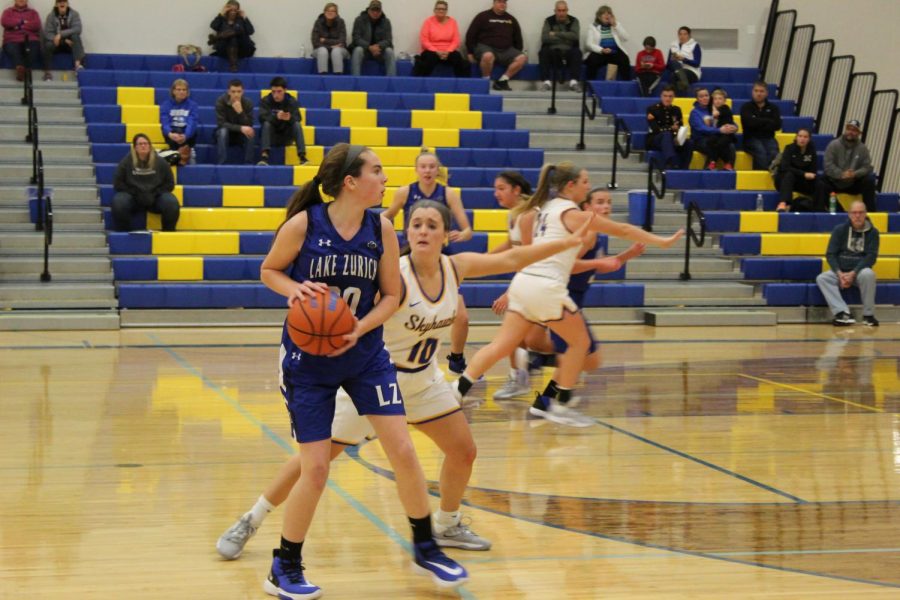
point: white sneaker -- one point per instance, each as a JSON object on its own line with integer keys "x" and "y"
{"x": 566, "y": 415}
{"x": 573, "y": 85}
{"x": 682, "y": 136}
{"x": 516, "y": 385}
{"x": 460, "y": 536}
{"x": 546, "y": 85}
{"x": 232, "y": 542}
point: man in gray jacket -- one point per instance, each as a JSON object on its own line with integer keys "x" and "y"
{"x": 852, "y": 252}
{"x": 234, "y": 122}
{"x": 373, "y": 38}
{"x": 560, "y": 47}
{"x": 62, "y": 33}
{"x": 848, "y": 166}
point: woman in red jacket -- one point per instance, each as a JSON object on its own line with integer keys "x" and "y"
{"x": 21, "y": 25}
{"x": 649, "y": 66}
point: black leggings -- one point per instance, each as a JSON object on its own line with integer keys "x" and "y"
{"x": 594, "y": 61}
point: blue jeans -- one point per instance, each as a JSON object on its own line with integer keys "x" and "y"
{"x": 272, "y": 137}
{"x": 225, "y": 138}
{"x": 763, "y": 151}
{"x": 678, "y": 156}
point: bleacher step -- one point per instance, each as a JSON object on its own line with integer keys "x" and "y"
{"x": 59, "y": 320}
{"x": 694, "y": 290}
{"x": 59, "y": 133}
{"x": 595, "y": 159}
{"x": 704, "y": 302}
{"x": 53, "y": 174}
{"x": 567, "y": 103}
{"x": 63, "y": 242}
{"x": 97, "y": 267}
{"x": 709, "y": 318}
{"x": 43, "y": 96}
{"x": 52, "y": 290}
{"x": 61, "y": 217}
{"x": 47, "y": 115}
{"x": 640, "y": 266}
{"x": 83, "y": 194}
{"x": 53, "y": 153}
{"x": 538, "y": 123}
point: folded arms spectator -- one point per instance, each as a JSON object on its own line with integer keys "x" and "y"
{"x": 373, "y": 38}
{"x": 560, "y": 47}
{"x": 329, "y": 40}
{"x": 21, "y": 29}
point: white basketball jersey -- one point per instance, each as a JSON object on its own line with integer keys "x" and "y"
{"x": 548, "y": 226}
{"x": 515, "y": 229}
{"x": 415, "y": 333}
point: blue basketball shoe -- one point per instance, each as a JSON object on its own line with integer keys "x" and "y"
{"x": 286, "y": 580}
{"x": 431, "y": 560}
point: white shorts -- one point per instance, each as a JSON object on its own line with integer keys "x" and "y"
{"x": 426, "y": 395}
{"x": 539, "y": 299}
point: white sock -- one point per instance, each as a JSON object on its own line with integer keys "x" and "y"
{"x": 445, "y": 520}
{"x": 260, "y": 511}
{"x": 503, "y": 78}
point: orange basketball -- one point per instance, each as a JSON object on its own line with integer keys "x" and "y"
{"x": 318, "y": 324}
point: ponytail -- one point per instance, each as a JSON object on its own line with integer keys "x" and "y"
{"x": 553, "y": 179}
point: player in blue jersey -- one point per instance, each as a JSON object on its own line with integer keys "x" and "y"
{"x": 354, "y": 251}
{"x": 428, "y": 186}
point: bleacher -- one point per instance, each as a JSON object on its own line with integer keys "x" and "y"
{"x": 229, "y": 212}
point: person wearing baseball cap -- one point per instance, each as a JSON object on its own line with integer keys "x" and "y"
{"x": 848, "y": 166}
{"x": 372, "y": 38}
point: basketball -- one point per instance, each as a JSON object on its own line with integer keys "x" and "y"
{"x": 318, "y": 324}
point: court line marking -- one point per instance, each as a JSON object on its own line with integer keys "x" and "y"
{"x": 354, "y": 452}
{"x": 289, "y": 448}
{"x": 702, "y": 462}
{"x": 809, "y": 392}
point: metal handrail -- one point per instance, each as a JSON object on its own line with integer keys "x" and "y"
{"x": 44, "y": 216}
{"x": 653, "y": 191}
{"x": 590, "y": 113}
{"x": 692, "y": 236}
{"x": 28, "y": 92}
{"x": 767, "y": 40}
{"x": 619, "y": 149}
{"x": 35, "y": 142}
{"x": 551, "y": 110}
{"x": 39, "y": 180}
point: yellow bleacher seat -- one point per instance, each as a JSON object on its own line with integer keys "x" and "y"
{"x": 398, "y": 221}
{"x": 140, "y": 113}
{"x": 759, "y": 222}
{"x": 889, "y": 245}
{"x": 135, "y": 95}
{"x": 486, "y": 219}
{"x": 496, "y": 238}
{"x": 179, "y": 268}
{"x": 885, "y": 268}
{"x": 314, "y": 154}
{"x": 433, "y": 119}
{"x": 397, "y": 176}
{"x": 178, "y": 192}
{"x": 266, "y": 92}
{"x": 399, "y": 156}
{"x": 784, "y": 139}
{"x": 451, "y": 102}
{"x": 342, "y": 100}
{"x": 243, "y": 195}
{"x": 369, "y": 136}
{"x": 794, "y": 244}
{"x": 359, "y": 117}
{"x": 192, "y": 242}
{"x": 742, "y": 162}
{"x": 754, "y": 180}
{"x": 151, "y": 130}
{"x": 445, "y": 138}
{"x": 233, "y": 219}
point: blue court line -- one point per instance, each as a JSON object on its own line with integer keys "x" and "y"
{"x": 289, "y": 448}
{"x": 698, "y": 554}
{"x": 700, "y": 461}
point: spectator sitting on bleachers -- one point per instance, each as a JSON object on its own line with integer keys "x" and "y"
{"x": 797, "y": 173}
{"x": 710, "y": 137}
{"x": 179, "y": 117}
{"x": 760, "y": 120}
{"x": 494, "y": 36}
{"x": 329, "y": 40}
{"x": 848, "y": 166}
{"x": 665, "y": 120}
{"x": 234, "y": 122}
{"x": 231, "y": 39}
{"x": 649, "y": 66}
{"x": 279, "y": 115}
{"x": 440, "y": 42}
{"x": 143, "y": 182}
{"x": 62, "y": 33}
{"x": 684, "y": 61}
{"x": 722, "y": 115}
{"x": 21, "y": 25}
{"x": 852, "y": 252}
{"x": 373, "y": 38}
{"x": 560, "y": 47}
{"x": 604, "y": 47}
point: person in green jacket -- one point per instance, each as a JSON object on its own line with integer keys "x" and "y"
{"x": 852, "y": 252}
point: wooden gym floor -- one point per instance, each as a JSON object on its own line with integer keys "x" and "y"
{"x": 725, "y": 463}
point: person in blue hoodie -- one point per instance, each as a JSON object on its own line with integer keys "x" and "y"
{"x": 711, "y": 138}
{"x": 180, "y": 119}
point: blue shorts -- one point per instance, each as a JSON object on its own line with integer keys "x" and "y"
{"x": 310, "y": 395}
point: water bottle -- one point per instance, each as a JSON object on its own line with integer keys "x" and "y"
{"x": 832, "y": 203}
{"x": 759, "y": 202}
{"x": 302, "y": 51}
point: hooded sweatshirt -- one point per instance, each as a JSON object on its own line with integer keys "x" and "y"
{"x": 145, "y": 182}
{"x": 852, "y": 250}
{"x": 66, "y": 26}
{"x": 20, "y": 23}
{"x": 367, "y": 32}
{"x": 180, "y": 117}
{"x": 334, "y": 35}
{"x": 842, "y": 155}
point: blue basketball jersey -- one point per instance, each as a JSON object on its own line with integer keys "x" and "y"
{"x": 415, "y": 194}
{"x": 579, "y": 282}
{"x": 350, "y": 268}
